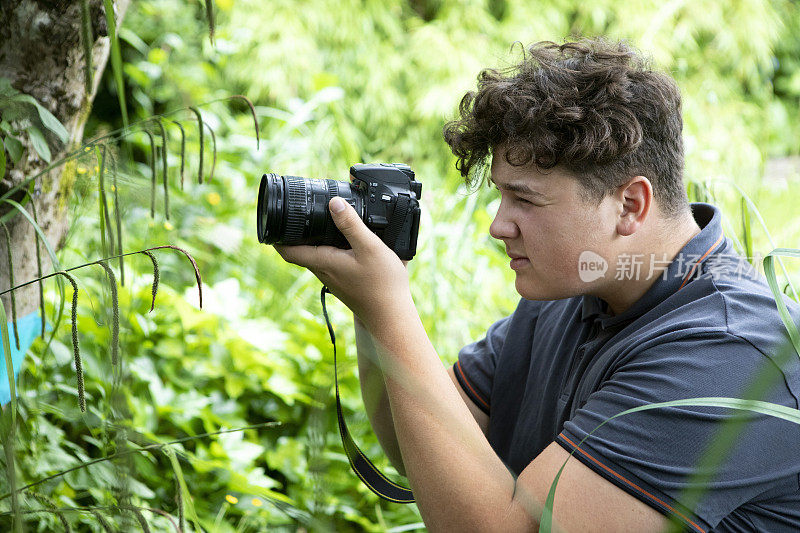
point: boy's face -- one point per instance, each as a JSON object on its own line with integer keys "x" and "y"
{"x": 551, "y": 226}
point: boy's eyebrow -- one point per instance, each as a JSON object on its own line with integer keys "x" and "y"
{"x": 518, "y": 187}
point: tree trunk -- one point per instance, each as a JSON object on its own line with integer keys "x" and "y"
{"x": 41, "y": 53}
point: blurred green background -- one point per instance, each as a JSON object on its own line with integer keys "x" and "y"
{"x": 336, "y": 83}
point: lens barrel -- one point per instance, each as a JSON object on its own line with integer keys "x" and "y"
{"x": 293, "y": 210}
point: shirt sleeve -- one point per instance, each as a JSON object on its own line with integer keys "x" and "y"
{"x": 653, "y": 454}
{"x": 477, "y": 362}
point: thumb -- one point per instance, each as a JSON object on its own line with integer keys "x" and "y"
{"x": 349, "y": 223}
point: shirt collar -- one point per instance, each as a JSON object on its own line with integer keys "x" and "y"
{"x": 683, "y": 268}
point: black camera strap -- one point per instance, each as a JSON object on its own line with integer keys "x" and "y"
{"x": 398, "y": 219}
{"x": 363, "y": 467}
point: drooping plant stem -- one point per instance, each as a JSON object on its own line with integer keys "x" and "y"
{"x": 10, "y": 264}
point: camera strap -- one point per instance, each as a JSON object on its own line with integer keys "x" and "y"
{"x": 398, "y": 219}
{"x": 363, "y": 467}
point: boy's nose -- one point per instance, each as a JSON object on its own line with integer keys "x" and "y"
{"x": 502, "y": 228}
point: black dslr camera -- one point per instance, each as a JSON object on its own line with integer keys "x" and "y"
{"x": 294, "y": 210}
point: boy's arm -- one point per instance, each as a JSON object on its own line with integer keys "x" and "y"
{"x": 376, "y": 402}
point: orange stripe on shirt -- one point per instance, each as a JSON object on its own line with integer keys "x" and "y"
{"x": 689, "y": 275}
{"x": 477, "y": 396}
{"x": 629, "y": 483}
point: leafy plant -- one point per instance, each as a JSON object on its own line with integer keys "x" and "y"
{"x": 22, "y": 114}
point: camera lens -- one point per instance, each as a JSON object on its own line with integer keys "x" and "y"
{"x": 294, "y": 210}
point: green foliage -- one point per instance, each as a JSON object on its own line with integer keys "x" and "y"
{"x": 329, "y": 84}
{"x": 22, "y": 113}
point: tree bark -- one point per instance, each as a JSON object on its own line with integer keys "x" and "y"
{"x": 41, "y": 53}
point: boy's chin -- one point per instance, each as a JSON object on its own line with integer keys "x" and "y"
{"x": 531, "y": 291}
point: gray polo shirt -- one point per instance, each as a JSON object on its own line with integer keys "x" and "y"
{"x": 555, "y": 370}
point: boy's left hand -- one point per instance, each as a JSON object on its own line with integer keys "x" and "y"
{"x": 369, "y": 278}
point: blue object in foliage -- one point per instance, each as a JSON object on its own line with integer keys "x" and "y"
{"x": 28, "y": 328}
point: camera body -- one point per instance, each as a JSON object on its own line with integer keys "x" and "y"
{"x": 294, "y": 210}
{"x": 386, "y": 188}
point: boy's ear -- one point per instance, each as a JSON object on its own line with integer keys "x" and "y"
{"x": 635, "y": 199}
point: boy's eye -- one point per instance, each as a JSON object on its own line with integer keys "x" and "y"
{"x": 517, "y": 198}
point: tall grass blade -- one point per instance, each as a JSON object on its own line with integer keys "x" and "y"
{"x": 756, "y": 406}
{"x": 746, "y": 233}
{"x": 152, "y": 174}
{"x": 100, "y": 201}
{"x": 200, "y": 132}
{"x": 105, "y": 217}
{"x": 183, "y": 149}
{"x": 112, "y": 282}
{"x": 10, "y": 264}
{"x": 727, "y": 434}
{"x": 769, "y": 272}
{"x": 179, "y": 503}
{"x": 757, "y": 213}
{"x": 119, "y": 224}
{"x": 116, "y": 58}
{"x": 164, "y": 165}
{"x": 9, "y": 422}
{"x": 12, "y": 385}
{"x": 186, "y": 496}
{"x": 86, "y": 41}
{"x": 39, "y": 272}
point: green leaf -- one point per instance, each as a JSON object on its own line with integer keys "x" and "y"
{"x": 52, "y": 123}
{"x": 186, "y": 495}
{"x": 9, "y": 367}
{"x": 48, "y": 119}
{"x": 2, "y": 158}
{"x": 14, "y": 148}
{"x": 769, "y": 272}
{"x": 39, "y": 143}
{"x": 116, "y": 58}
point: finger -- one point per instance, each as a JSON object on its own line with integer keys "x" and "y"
{"x": 350, "y": 224}
{"x": 305, "y": 256}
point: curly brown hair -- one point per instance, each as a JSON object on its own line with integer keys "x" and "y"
{"x": 594, "y": 107}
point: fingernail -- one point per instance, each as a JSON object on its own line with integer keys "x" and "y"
{"x": 337, "y": 204}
